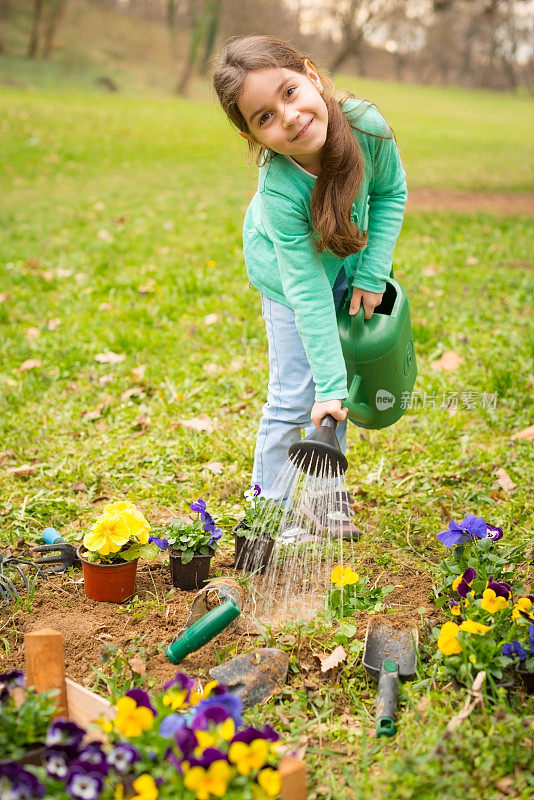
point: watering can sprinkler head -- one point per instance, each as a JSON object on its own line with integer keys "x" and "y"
{"x": 319, "y": 454}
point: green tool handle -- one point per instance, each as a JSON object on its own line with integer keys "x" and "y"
{"x": 387, "y": 698}
{"x": 202, "y": 631}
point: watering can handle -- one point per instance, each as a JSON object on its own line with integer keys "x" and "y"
{"x": 51, "y": 536}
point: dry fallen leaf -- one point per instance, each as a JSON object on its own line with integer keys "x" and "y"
{"x": 527, "y": 433}
{"x": 105, "y": 236}
{"x": 148, "y": 287}
{"x": 137, "y": 665}
{"x": 109, "y": 357}
{"x": 141, "y": 423}
{"x": 449, "y": 360}
{"x": 78, "y": 487}
{"x": 214, "y": 466}
{"x": 64, "y": 273}
{"x": 105, "y": 307}
{"x": 212, "y": 368}
{"x": 4, "y": 296}
{"x": 30, "y": 363}
{"x": 97, "y": 413}
{"x": 53, "y": 324}
{"x": 211, "y": 319}
{"x": 331, "y": 660}
{"x": 22, "y": 471}
{"x": 504, "y": 480}
{"x": 134, "y": 392}
{"x": 200, "y": 423}
{"x": 139, "y": 372}
{"x": 33, "y": 333}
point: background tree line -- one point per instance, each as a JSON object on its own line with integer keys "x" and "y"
{"x": 476, "y": 43}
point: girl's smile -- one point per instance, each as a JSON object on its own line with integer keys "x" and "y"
{"x": 285, "y": 112}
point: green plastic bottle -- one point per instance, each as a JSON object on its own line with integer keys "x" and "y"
{"x": 202, "y": 631}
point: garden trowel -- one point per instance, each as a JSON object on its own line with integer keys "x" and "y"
{"x": 389, "y": 653}
{"x": 255, "y": 676}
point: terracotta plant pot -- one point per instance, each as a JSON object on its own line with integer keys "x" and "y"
{"x": 252, "y": 554}
{"x": 189, "y": 576}
{"x": 109, "y": 583}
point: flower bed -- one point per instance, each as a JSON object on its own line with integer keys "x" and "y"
{"x": 493, "y": 626}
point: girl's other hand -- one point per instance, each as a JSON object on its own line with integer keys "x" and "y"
{"x": 370, "y": 301}
{"x": 321, "y": 409}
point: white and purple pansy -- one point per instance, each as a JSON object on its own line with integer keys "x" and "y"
{"x": 65, "y": 735}
{"x": 122, "y": 757}
{"x": 252, "y": 493}
{"x": 82, "y": 784}
{"x": 56, "y": 763}
{"x": 17, "y": 783}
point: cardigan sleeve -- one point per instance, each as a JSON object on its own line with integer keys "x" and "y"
{"x": 308, "y": 291}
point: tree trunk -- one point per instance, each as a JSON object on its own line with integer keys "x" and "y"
{"x": 33, "y": 46}
{"x": 349, "y": 48}
{"x": 52, "y": 27}
{"x": 214, "y": 16}
{"x": 197, "y": 33}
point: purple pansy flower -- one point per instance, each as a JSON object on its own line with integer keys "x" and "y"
{"x": 66, "y": 736}
{"x": 171, "y": 725}
{"x": 531, "y": 637}
{"x": 493, "y": 533}
{"x": 13, "y": 679}
{"x": 215, "y": 535}
{"x": 121, "y": 757}
{"x": 514, "y": 649}
{"x": 83, "y": 785}
{"x": 468, "y": 528}
{"x": 186, "y": 742}
{"x": 232, "y": 704}
{"x": 464, "y": 587}
{"x": 93, "y": 757}
{"x": 199, "y": 506}
{"x": 161, "y": 543}
{"x": 250, "y": 734}
{"x": 501, "y": 588}
{"x": 209, "y": 755}
{"x": 141, "y": 699}
{"x": 56, "y": 763}
{"x": 180, "y": 681}
{"x": 17, "y": 783}
{"x": 213, "y": 715}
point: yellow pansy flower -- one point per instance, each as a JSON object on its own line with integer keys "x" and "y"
{"x": 175, "y": 699}
{"x": 131, "y": 719}
{"x": 448, "y": 642}
{"x": 146, "y": 788}
{"x": 117, "y": 505}
{"x": 200, "y": 694}
{"x": 344, "y": 576}
{"x": 470, "y": 626}
{"x": 108, "y": 534}
{"x": 211, "y": 781}
{"x": 456, "y": 582}
{"x": 222, "y": 733}
{"x": 248, "y": 757}
{"x": 492, "y": 602}
{"x": 137, "y": 524}
{"x": 270, "y": 781}
{"x": 523, "y": 604}
{"x": 473, "y": 659}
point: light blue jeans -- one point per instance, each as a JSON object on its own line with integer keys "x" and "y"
{"x": 290, "y": 393}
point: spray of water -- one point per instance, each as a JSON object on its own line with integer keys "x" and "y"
{"x": 306, "y": 539}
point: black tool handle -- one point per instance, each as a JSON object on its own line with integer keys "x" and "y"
{"x": 387, "y": 698}
{"x": 328, "y": 421}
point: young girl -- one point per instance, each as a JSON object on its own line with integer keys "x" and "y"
{"x": 326, "y": 216}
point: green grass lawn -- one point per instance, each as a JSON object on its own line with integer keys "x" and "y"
{"x": 120, "y": 230}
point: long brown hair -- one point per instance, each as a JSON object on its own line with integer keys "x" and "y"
{"x": 342, "y": 163}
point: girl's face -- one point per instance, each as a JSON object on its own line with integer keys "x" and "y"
{"x": 285, "y": 112}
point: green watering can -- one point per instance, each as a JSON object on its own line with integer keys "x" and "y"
{"x": 381, "y": 370}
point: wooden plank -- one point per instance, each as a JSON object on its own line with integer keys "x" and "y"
{"x": 45, "y": 666}
{"x": 293, "y": 772}
{"x": 85, "y": 706}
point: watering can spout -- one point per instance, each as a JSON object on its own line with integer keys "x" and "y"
{"x": 319, "y": 453}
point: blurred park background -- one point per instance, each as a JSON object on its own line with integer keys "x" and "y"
{"x": 165, "y": 45}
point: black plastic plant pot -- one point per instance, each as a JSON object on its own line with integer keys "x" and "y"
{"x": 527, "y": 679}
{"x": 34, "y": 756}
{"x": 189, "y": 576}
{"x": 252, "y": 555}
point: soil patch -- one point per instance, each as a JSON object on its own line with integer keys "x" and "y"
{"x": 154, "y": 618}
{"x": 471, "y": 202}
